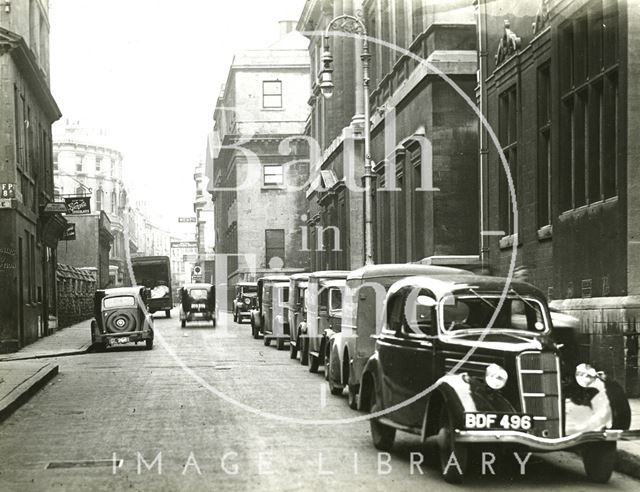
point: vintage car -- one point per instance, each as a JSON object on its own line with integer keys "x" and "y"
{"x": 324, "y": 314}
{"x": 121, "y": 316}
{"x": 245, "y": 300}
{"x": 197, "y": 303}
{"x": 297, "y": 310}
{"x": 269, "y": 319}
{"x": 349, "y": 350}
{"x": 470, "y": 360}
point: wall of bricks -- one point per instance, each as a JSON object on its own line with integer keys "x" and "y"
{"x": 76, "y": 289}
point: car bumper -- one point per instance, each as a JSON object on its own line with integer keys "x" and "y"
{"x": 534, "y": 442}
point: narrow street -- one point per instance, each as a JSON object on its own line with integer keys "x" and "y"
{"x": 136, "y": 403}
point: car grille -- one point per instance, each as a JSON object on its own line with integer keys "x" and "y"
{"x": 475, "y": 365}
{"x": 539, "y": 380}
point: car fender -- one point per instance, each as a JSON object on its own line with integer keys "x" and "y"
{"x": 461, "y": 394}
{"x": 371, "y": 376}
{"x": 603, "y": 405}
{"x": 256, "y": 319}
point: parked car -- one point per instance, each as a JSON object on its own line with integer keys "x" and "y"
{"x": 350, "y": 349}
{"x": 245, "y": 300}
{"x": 324, "y": 314}
{"x": 297, "y": 310}
{"x": 302, "y": 330}
{"x": 471, "y": 360}
{"x": 121, "y": 316}
{"x": 197, "y": 303}
{"x": 269, "y": 320}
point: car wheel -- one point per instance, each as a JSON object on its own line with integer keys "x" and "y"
{"x": 314, "y": 363}
{"x": 453, "y": 456}
{"x": 266, "y": 340}
{"x": 214, "y": 322}
{"x": 352, "y": 396}
{"x": 293, "y": 350}
{"x": 100, "y": 347}
{"x": 183, "y": 323}
{"x": 280, "y": 343}
{"x": 382, "y": 435}
{"x": 304, "y": 351}
{"x": 599, "y": 459}
{"x": 235, "y": 316}
{"x": 334, "y": 389}
{"x": 148, "y": 343}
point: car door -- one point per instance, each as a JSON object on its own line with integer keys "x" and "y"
{"x": 406, "y": 353}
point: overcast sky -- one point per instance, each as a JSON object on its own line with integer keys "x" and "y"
{"x": 149, "y": 73}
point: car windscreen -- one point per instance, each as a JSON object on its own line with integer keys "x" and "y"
{"x": 198, "y": 294}
{"x": 249, "y": 289}
{"x": 475, "y": 312}
{"x": 120, "y": 301}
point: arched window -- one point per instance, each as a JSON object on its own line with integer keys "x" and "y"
{"x": 99, "y": 199}
{"x": 79, "y": 190}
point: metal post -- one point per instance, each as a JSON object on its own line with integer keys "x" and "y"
{"x": 368, "y": 176}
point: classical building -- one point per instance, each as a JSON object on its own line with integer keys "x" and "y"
{"x": 87, "y": 164}
{"x": 28, "y": 232}
{"x": 205, "y": 225}
{"x": 259, "y": 123}
{"x": 557, "y": 88}
{"x": 424, "y": 134}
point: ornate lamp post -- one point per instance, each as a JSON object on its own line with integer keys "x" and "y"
{"x": 354, "y": 25}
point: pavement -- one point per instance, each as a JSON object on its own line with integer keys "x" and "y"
{"x": 23, "y": 373}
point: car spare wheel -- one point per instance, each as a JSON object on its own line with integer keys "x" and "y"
{"x": 121, "y": 322}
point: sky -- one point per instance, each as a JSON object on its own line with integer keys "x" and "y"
{"x": 149, "y": 72}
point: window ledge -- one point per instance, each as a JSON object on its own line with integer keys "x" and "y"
{"x": 545, "y": 232}
{"x": 272, "y": 109}
{"x": 271, "y": 188}
{"x": 507, "y": 241}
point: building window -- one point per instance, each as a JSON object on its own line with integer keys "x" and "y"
{"x": 55, "y": 160}
{"x": 17, "y": 126}
{"x": 98, "y": 164}
{"x": 274, "y": 247}
{"x": 589, "y": 116}
{"x": 273, "y": 175}
{"x": 272, "y": 94}
{"x": 114, "y": 202}
{"x": 544, "y": 146}
{"x": 419, "y": 216}
{"x": 508, "y": 127}
{"x": 79, "y": 163}
{"x": 99, "y": 199}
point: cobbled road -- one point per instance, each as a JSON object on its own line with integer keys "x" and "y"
{"x": 193, "y": 414}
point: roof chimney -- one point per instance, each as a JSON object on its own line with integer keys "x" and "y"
{"x": 286, "y": 26}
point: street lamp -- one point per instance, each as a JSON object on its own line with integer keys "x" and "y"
{"x": 354, "y": 25}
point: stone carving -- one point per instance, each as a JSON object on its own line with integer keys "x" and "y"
{"x": 542, "y": 16}
{"x": 508, "y": 45}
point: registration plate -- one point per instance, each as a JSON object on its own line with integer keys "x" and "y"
{"x": 497, "y": 421}
{"x": 121, "y": 340}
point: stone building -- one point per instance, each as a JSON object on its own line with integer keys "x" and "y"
{"x": 259, "y": 123}
{"x": 28, "y": 232}
{"x": 205, "y": 225}
{"x": 86, "y": 163}
{"x": 422, "y": 131}
{"x": 557, "y": 87}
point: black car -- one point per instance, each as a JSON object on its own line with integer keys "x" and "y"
{"x": 245, "y": 300}
{"x": 121, "y": 317}
{"x": 197, "y": 303}
{"x": 471, "y": 360}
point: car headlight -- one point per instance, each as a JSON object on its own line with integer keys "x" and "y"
{"x": 247, "y": 301}
{"x": 585, "y": 375}
{"x": 495, "y": 376}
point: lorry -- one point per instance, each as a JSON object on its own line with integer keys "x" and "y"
{"x": 154, "y": 273}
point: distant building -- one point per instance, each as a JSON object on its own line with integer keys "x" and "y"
{"x": 263, "y": 220}
{"x": 87, "y": 164}
{"x": 205, "y": 226}
{"x": 28, "y": 232}
{"x": 558, "y": 85}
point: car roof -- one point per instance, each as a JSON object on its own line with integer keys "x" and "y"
{"x": 442, "y": 285}
{"x": 122, "y": 291}
{"x": 335, "y": 282}
{"x": 247, "y": 284}
{"x": 329, "y": 274}
{"x": 299, "y": 276}
{"x": 197, "y": 286}
{"x": 275, "y": 278}
{"x": 405, "y": 269}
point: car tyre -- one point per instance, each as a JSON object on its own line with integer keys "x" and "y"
{"x": 599, "y": 459}
{"x": 304, "y": 352}
{"x": 235, "y": 316}
{"x": 100, "y": 347}
{"x": 266, "y": 340}
{"x": 447, "y": 446}
{"x": 314, "y": 363}
{"x": 381, "y": 434}
{"x": 293, "y": 350}
{"x": 148, "y": 343}
{"x": 352, "y": 396}
{"x": 280, "y": 343}
{"x": 183, "y": 323}
{"x": 167, "y": 313}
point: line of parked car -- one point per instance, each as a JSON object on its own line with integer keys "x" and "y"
{"x": 441, "y": 352}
